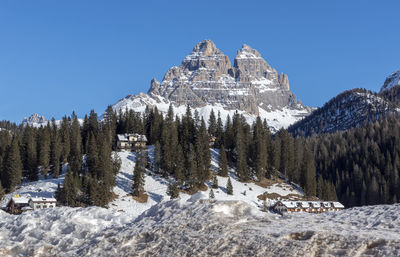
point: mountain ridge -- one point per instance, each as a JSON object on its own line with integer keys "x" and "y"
{"x": 206, "y": 80}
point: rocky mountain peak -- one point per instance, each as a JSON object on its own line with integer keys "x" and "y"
{"x": 206, "y": 48}
{"x": 249, "y": 65}
{"x": 205, "y": 79}
{"x": 247, "y": 52}
{"x": 35, "y": 119}
{"x": 391, "y": 81}
{"x": 206, "y": 56}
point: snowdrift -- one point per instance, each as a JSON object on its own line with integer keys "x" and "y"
{"x": 201, "y": 228}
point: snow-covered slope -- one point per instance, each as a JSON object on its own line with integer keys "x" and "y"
{"x": 156, "y": 187}
{"x": 186, "y": 228}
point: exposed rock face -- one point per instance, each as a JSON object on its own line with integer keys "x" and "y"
{"x": 35, "y": 119}
{"x": 206, "y": 81}
{"x": 391, "y": 81}
{"x": 206, "y": 77}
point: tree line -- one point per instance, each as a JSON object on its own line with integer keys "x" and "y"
{"x": 181, "y": 152}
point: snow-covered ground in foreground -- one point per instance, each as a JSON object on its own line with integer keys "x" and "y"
{"x": 201, "y": 228}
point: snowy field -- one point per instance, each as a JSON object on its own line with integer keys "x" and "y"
{"x": 200, "y": 228}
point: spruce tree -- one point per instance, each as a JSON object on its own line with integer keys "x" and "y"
{"x": 75, "y": 157}
{"x": 44, "y": 149}
{"x": 2, "y": 192}
{"x": 138, "y": 175}
{"x": 259, "y": 150}
{"x": 223, "y": 163}
{"x": 212, "y": 196}
{"x": 179, "y": 170}
{"x": 214, "y": 182}
{"x": 92, "y": 157}
{"x": 65, "y": 139}
{"x": 55, "y": 150}
{"x": 30, "y": 153}
{"x": 219, "y": 133}
{"x": 12, "y": 167}
{"x": 229, "y": 187}
{"x": 173, "y": 190}
{"x": 212, "y": 124}
{"x": 157, "y": 156}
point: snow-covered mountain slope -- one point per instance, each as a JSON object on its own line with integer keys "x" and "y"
{"x": 391, "y": 81}
{"x": 349, "y": 109}
{"x": 186, "y": 228}
{"x": 156, "y": 187}
{"x": 206, "y": 80}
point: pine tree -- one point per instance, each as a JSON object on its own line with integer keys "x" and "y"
{"x": 105, "y": 167}
{"x": 138, "y": 175}
{"x": 92, "y": 157}
{"x": 75, "y": 157}
{"x": 157, "y": 156}
{"x": 173, "y": 190}
{"x": 12, "y": 168}
{"x": 2, "y": 192}
{"x": 179, "y": 170}
{"x": 212, "y": 124}
{"x": 30, "y": 153}
{"x": 65, "y": 139}
{"x": 215, "y": 182}
{"x": 69, "y": 190}
{"x": 259, "y": 150}
{"x": 212, "y": 196}
{"x": 116, "y": 163}
{"x": 223, "y": 163}
{"x": 44, "y": 149}
{"x": 55, "y": 150}
{"x": 219, "y": 133}
{"x": 229, "y": 187}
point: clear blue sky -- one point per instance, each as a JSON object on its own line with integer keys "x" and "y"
{"x": 59, "y": 56}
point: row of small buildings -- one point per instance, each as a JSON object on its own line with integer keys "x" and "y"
{"x": 306, "y": 206}
{"x": 19, "y": 204}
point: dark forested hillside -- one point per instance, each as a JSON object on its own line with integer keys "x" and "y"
{"x": 347, "y": 110}
{"x": 363, "y": 163}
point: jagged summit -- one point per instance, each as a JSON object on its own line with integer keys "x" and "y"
{"x": 206, "y": 78}
{"x": 391, "y": 81}
{"x": 35, "y": 120}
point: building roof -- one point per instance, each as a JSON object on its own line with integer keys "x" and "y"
{"x": 122, "y": 137}
{"x": 20, "y": 199}
{"x": 289, "y": 204}
{"x": 43, "y": 200}
{"x": 337, "y": 205}
{"x": 326, "y": 204}
{"x": 316, "y": 204}
{"x": 305, "y": 204}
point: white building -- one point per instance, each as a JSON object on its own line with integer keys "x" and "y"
{"x": 42, "y": 203}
